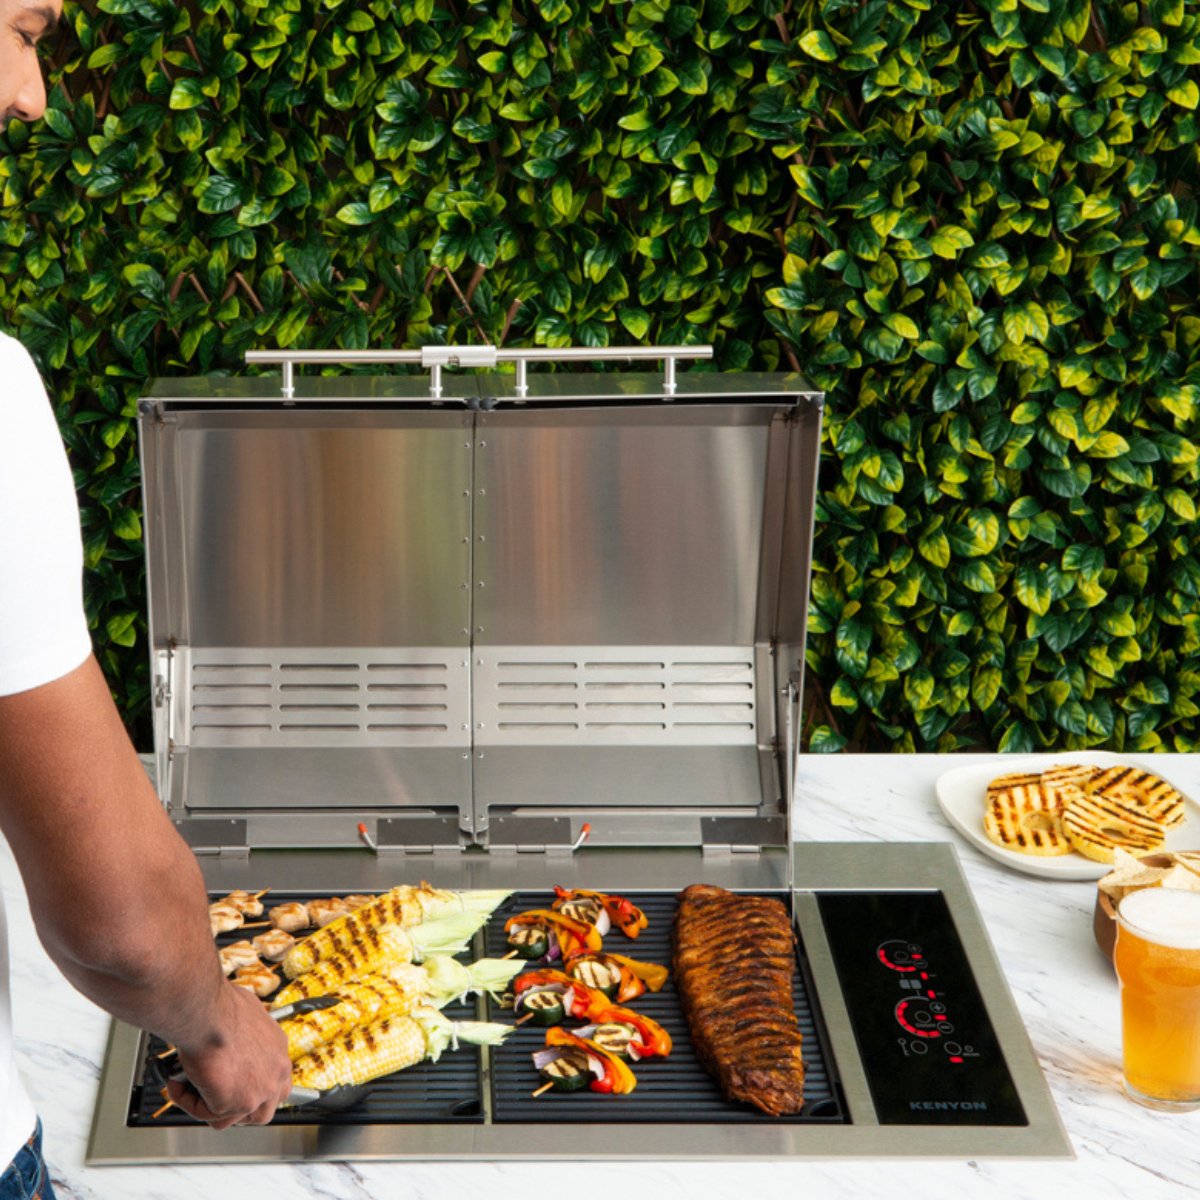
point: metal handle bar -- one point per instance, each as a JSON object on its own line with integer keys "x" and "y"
{"x": 434, "y": 358}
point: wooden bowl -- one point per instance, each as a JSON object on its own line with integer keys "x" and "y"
{"x": 1104, "y": 915}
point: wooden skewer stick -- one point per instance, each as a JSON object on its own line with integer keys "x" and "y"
{"x": 526, "y": 1017}
{"x": 260, "y": 895}
{"x": 510, "y": 954}
{"x": 544, "y": 1088}
{"x": 167, "y": 1052}
{"x": 252, "y": 925}
{"x": 158, "y": 1112}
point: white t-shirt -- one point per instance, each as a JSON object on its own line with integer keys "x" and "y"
{"x": 43, "y": 631}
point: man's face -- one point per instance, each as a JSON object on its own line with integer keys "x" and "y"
{"x": 22, "y": 24}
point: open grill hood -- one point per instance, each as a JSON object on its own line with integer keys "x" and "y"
{"x": 480, "y": 618}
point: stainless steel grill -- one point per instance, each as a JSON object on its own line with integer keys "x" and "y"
{"x": 475, "y": 612}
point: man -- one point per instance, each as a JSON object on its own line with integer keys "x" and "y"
{"x": 117, "y": 898}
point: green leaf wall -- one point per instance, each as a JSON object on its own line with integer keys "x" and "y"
{"x": 974, "y": 224}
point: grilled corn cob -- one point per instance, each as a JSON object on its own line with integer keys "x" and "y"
{"x": 371, "y": 1051}
{"x": 380, "y": 947}
{"x": 435, "y": 984}
{"x": 402, "y": 906}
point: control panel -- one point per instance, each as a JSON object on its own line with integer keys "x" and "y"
{"x": 927, "y": 1045}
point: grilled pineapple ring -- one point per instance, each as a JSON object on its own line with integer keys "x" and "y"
{"x": 1097, "y": 824}
{"x": 1020, "y": 818}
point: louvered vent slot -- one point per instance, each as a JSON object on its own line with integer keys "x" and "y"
{"x": 357, "y": 698}
{"x": 615, "y": 695}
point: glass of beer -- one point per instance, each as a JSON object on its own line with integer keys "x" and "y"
{"x": 1157, "y": 958}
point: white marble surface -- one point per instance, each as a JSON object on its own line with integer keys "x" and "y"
{"x": 1041, "y": 931}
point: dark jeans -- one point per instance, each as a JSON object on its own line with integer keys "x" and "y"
{"x": 27, "y": 1177}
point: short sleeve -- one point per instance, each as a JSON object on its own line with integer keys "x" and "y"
{"x": 43, "y": 630}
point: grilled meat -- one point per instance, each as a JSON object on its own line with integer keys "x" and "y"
{"x": 733, "y": 964}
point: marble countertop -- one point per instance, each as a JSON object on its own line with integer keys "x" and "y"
{"x": 1041, "y": 930}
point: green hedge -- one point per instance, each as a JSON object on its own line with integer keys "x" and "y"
{"x": 974, "y": 225}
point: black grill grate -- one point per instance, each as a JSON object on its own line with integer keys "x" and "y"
{"x": 672, "y": 1090}
{"x": 449, "y": 1091}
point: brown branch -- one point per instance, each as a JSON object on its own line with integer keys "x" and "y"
{"x": 513, "y": 308}
{"x": 230, "y": 288}
{"x": 362, "y": 305}
{"x": 1097, "y": 30}
{"x": 791, "y": 356}
{"x": 465, "y": 303}
{"x": 173, "y": 294}
{"x": 781, "y": 240}
{"x": 197, "y": 285}
{"x": 380, "y": 292}
{"x": 430, "y": 276}
{"x": 480, "y": 272}
{"x": 102, "y": 105}
{"x": 249, "y": 291}
{"x": 784, "y": 36}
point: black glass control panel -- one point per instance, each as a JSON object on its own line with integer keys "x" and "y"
{"x": 927, "y": 1046}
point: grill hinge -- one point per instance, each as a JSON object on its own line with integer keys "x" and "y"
{"x": 725, "y": 836}
{"x": 422, "y": 835}
{"x": 211, "y": 836}
{"x": 531, "y": 835}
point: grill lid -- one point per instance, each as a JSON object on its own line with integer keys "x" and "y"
{"x": 479, "y": 608}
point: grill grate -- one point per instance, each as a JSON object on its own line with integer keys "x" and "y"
{"x": 446, "y": 1092}
{"x": 672, "y": 1090}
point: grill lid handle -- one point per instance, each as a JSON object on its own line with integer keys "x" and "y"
{"x": 434, "y": 358}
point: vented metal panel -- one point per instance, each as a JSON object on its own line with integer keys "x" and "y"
{"x": 604, "y": 695}
{"x": 352, "y": 696}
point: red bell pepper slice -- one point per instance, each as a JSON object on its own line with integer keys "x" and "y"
{"x": 652, "y": 1041}
{"x": 618, "y": 1078}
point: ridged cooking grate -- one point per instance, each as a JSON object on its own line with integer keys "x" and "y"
{"x": 673, "y": 1090}
{"x": 448, "y": 1091}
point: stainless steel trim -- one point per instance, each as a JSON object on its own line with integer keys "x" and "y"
{"x": 850, "y": 866}
{"x": 435, "y": 358}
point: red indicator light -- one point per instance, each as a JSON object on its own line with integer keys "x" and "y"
{"x": 924, "y": 974}
{"x": 931, "y": 995}
{"x": 955, "y": 1058}
{"x": 916, "y": 958}
{"x": 881, "y": 954}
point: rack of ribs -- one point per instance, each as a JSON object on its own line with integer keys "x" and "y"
{"x": 733, "y": 964}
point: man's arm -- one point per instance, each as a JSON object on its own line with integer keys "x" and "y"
{"x": 118, "y": 898}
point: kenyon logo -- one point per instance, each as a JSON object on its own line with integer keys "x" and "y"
{"x": 947, "y": 1105}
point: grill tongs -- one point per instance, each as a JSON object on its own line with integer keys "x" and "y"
{"x": 333, "y": 1099}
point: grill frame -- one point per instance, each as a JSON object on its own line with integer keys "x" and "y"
{"x": 825, "y": 867}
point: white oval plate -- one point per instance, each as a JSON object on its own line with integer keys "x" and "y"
{"x": 962, "y": 796}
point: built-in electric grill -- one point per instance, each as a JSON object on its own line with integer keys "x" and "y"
{"x": 528, "y": 630}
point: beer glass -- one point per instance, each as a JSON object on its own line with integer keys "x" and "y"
{"x": 1157, "y": 957}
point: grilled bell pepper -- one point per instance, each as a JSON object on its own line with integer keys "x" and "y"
{"x": 649, "y": 1039}
{"x": 632, "y": 978}
{"x": 578, "y": 1000}
{"x": 574, "y": 937}
{"x": 617, "y": 1078}
{"x": 622, "y": 913}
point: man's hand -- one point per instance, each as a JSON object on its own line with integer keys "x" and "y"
{"x": 243, "y": 1079}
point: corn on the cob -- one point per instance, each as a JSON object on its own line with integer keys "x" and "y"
{"x": 371, "y": 1051}
{"x": 402, "y": 906}
{"x": 368, "y": 1000}
{"x": 380, "y": 947}
{"x": 397, "y": 993}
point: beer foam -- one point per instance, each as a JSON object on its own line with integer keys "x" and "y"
{"x": 1167, "y": 916}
